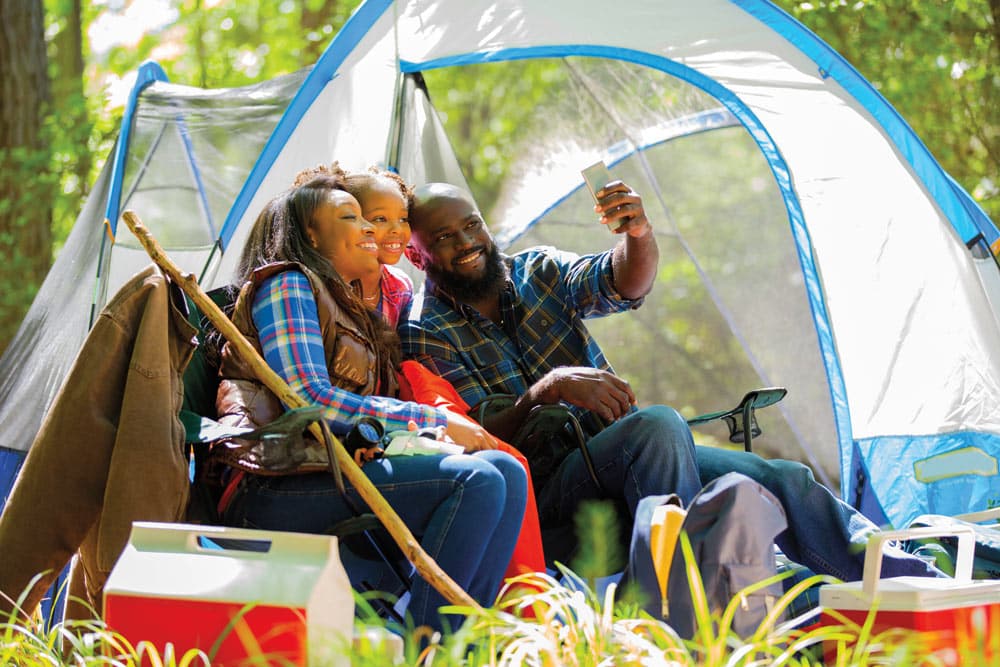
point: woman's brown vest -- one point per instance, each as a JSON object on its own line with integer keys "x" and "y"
{"x": 243, "y": 401}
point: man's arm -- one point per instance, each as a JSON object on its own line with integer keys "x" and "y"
{"x": 597, "y": 390}
{"x": 636, "y": 256}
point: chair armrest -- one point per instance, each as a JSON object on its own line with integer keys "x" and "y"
{"x": 741, "y": 420}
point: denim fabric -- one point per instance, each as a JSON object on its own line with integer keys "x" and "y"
{"x": 648, "y": 452}
{"x": 466, "y": 512}
{"x": 824, "y": 534}
{"x": 651, "y": 452}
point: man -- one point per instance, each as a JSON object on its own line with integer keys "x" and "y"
{"x": 490, "y": 323}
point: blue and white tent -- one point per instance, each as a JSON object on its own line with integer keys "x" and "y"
{"x": 808, "y": 237}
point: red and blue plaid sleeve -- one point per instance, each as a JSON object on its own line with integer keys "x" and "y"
{"x": 397, "y": 291}
{"x": 284, "y": 311}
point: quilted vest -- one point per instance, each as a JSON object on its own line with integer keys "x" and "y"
{"x": 242, "y": 400}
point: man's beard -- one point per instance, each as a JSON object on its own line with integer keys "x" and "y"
{"x": 467, "y": 289}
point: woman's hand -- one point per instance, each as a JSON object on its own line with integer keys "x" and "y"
{"x": 466, "y": 432}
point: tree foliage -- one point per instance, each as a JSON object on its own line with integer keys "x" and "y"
{"x": 938, "y": 64}
{"x": 935, "y": 61}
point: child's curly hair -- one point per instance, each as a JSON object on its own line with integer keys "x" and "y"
{"x": 333, "y": 170}
{"x": 356, "y": 182}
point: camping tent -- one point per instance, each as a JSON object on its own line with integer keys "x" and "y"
{"x": 808, "y": 238}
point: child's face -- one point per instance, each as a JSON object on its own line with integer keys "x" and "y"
{"x": 384, "y": 206}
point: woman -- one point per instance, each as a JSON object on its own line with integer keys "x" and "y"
{"x": 298, "y": 308}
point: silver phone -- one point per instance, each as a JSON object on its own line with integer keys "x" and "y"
{"x": 596, "y": 176}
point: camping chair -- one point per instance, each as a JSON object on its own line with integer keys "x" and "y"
{"x": 373, "y": 561}
{"x": 552, "y": 431}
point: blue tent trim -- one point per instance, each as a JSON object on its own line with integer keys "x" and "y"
{"x": 10, "y": 464}
{"x": 686, "y": 126}
{"x": 976, "y": 214}
{"x": 323, "y": 71}
{"x": 833, "y": 65}
{"x": 199, "y": 182}
{"x": 951, "y": 472}
{"x": 149, "y": 73}
{"x": 51, "y": 605}
{"x": 735, "y": 106}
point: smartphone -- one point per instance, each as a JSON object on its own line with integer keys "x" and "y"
{"x": 596, "y": 176}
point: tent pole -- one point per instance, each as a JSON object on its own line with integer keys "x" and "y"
{"x": 395, "y": 139}
{"x": 425, "y": 565}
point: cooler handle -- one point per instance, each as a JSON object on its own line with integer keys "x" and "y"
{"x": 183, "y": 538}
{"x": 873, "y": 553}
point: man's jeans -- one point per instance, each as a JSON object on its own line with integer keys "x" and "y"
{"x": 825, "y": 534}
{"x": 651, "y": 452}
{"x": 466, "y": 511}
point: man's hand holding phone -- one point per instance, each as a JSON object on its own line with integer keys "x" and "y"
{"x": 620, "y": 208}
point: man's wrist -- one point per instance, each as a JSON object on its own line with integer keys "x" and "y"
{"x": 646, "y": 230}
{"x": 541, "y": 393}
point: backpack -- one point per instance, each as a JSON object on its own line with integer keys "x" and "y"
{"x": 731, "y": 525}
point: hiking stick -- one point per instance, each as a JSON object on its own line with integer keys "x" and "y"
{"x": 425, "y": 565}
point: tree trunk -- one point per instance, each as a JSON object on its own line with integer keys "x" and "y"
{"x": 70, "y": 102}
{"x": 25, "y": 190}
{"x": 316, "y": 14}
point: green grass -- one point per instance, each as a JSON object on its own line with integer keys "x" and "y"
{"x": 572, "y": 626}
{"x": 548, "y": 623}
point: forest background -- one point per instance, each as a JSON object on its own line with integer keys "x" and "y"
{"x": 64, "y": 67}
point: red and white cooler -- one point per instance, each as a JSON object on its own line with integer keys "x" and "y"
{"x": 959, "y": 617}
{"x": 289, "y": 601}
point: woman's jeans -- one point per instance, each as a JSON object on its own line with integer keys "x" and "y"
{"x": 466, "y": 511}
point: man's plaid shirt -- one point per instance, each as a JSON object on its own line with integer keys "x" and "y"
{"x": 548, "y": 294}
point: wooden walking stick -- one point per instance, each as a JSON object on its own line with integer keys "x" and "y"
{"x": 425, "y": 565}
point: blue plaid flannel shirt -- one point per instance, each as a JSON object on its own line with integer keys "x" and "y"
{"x": 548, "y": 295}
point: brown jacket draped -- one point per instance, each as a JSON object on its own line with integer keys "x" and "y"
{"x": 109, "y": 451}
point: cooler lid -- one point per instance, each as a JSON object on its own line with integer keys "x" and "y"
{"x": 182, "y": 561}
{"x": 911, "y": 594}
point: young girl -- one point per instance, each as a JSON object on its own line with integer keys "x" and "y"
{"x": 385, "y": 201}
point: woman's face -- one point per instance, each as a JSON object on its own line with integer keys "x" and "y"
{"x": 385, "y": 207}
{"x": 340, "y": 233}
